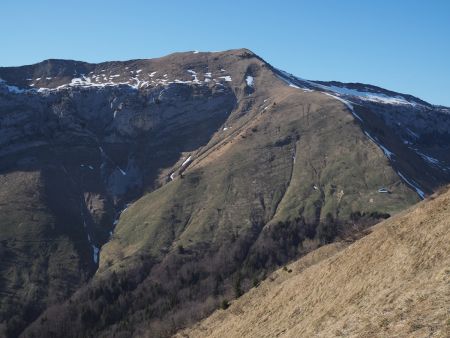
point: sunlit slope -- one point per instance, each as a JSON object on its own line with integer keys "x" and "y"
{"x": 395, "y": 282}
{"x": 302, "y": 157}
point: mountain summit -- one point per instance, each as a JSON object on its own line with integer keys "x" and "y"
{"x": 137, "y": 196}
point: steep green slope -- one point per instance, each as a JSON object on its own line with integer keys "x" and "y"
{"x": 282, "y": 166}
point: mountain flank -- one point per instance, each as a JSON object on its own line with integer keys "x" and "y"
{"x": 137, "y": 196}
{"x": 395, "y": 282}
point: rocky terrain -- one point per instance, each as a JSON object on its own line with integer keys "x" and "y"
{"x": 136, "y": 196}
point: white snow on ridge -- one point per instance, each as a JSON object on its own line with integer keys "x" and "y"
{"x": 367, "y": 96}
{"x": 362, "y": 95}
{"x": 101, "y": 80}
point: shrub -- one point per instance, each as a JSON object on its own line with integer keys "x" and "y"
{"x": 224, "y": 304}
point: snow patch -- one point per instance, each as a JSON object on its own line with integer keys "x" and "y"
{"x": 194, "y": 75}
{"x": 186, "y": 161}
{"x": 249, "y": 80}
{"x": 226, "y": 78}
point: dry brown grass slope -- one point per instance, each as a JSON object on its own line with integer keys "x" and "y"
{"x": 395, "y": 282}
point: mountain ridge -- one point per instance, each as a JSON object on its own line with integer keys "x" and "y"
{"x": 193, "y": 184}
{"x": 92, "y": 65}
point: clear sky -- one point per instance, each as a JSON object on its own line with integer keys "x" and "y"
{"x": 402, "y": 45}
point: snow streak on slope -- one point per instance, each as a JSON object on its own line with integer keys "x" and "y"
{"x": 366, "y": 96}
{"x": 291, "y": 80}
{"x": 413, "y": 184}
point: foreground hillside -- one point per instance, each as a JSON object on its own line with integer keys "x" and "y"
{"x": 140, "y": 194}
{"x": 395, "y": 282}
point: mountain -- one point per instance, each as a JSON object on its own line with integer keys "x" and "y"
{"x": 137, "y": 195}
{"x": 395, "y": 282}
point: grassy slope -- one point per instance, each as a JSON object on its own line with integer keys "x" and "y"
{"x": 394, "y": 282}
{"x": 252, "y": 179}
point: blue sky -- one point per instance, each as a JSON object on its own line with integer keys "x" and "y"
{"x": 402, "y": 45}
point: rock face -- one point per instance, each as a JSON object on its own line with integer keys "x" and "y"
{"x": 89, "y": 151}
{"x": 190, "y": 176}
